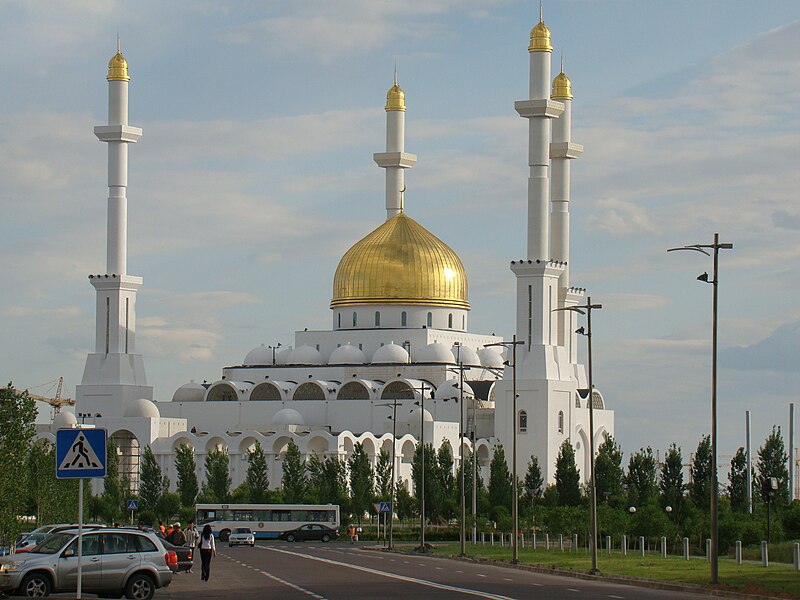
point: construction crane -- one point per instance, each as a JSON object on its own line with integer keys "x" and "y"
{"x": 56, "y": 402}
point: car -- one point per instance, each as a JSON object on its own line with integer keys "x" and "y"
{"x": 29, "y": 541}
{"x": 115, "y": 562}
{"x": 242, "y": 536}
{"x": 184, "y": 556}
{"x": 311, "y": 531}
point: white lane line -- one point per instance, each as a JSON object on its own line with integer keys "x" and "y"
{"x": 572, "y": 590}
{"x": 433, "y": 584}
{"x": 613, "y": 596}
{"x": 536, "y": 584}
{"x": 283, "y": 581}
{"x": 507, "y": 579}
{"x": 480, "y": 575}
{"x": 439, "y": 569}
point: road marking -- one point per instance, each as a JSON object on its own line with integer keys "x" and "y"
{"x": 481, "y": 575}
{"x": 613, "y": 596}
{"x": 572, "y": 590}
{"x": 439, "y": 569}
{"x": 507, "y": 579}
{"x": 279, "y": 580}
{"x": 433, "y": 584}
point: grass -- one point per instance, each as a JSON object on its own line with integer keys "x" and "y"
{"x": 748, "y": 577}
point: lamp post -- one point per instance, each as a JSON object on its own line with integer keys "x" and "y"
{"x": 394, "y": 454}
{"x": 422, "y": 466}
{"x": 515, "y": 499}
{"x": 716, "y": 246}
{"x": 273, "y": 348}
{"x": 463, "y": 503}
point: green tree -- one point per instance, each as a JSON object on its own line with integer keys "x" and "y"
{"x": 186, "y": 470}
{"x": 446, "y": 490}
{"x": 700, "y": 487}
{"x": 17, "y": 415}
{"x": 51, "y": 500}
{"x": 152, "y": 482}
{"x": 218, "y": 478}
{"x": 327, "y": 480}
{"x": 168, "y": 505}
{"x": 670, "y": 482}
{"x": 295, "y": 479}
{"x": 404, "y": 502}
{"x": 609, "y": 475}
{"x": 533, "y": 484}
{"x": 257, "y": 478}
{"x": 362, "y": 482}
{"x": 111, "y": 500}
{"x": 383, "y": 475}
{"x": 567, "y": 476}
{"x": 431, "y": 484}
{"x": 737, "y": 482}
{"x": 772, "y": 460}
{"x": 641, "y": 478}
{"x": 500, "y": 485}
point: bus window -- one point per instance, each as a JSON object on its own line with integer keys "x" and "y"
{"x": 262, "y": 515}
{"x": 281, "y": 515}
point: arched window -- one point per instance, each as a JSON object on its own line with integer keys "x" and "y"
{"x": 561, "y": 421}
{"x": 430, "y": 319}
{"x": 403, "y": 319}
{"x": 355, "y": 319}
{"x": 450, "y": 321}
{"x": 523, "y": 421}
{"x": 377, "y": 318}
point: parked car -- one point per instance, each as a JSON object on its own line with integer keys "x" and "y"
{"x": 184, "y": 556}
{"x": 27, "y": 542}
{"x": 116, "y": 562}
{"x": 242, "y": 536}
{"x": 312, "y": 531}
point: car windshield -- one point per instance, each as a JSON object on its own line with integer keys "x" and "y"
{"x": 243, "y": 530}
{"x": 52, "y": 543}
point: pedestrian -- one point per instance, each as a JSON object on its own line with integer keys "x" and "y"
{"x": 351, "y": 532}
{"x": 358, "y": 531}
{"x": 207, "y": 550}
{"x": 191, "y": 537}
{"x": 178, "y": 537}
{"x": 161, "y": 527}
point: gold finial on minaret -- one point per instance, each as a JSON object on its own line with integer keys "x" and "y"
{"x": 118, "y": 66}
{"x": 540, "y": 35}
{"x": 562, "y": 86}
{"x": 395, "y": 97}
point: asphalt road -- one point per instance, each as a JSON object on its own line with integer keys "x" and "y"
{"x": 341, "y": 571}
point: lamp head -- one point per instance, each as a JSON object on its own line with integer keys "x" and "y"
{"x": 581, "y": 330}
{"x": 703, "y": 278}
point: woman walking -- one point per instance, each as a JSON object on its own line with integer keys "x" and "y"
{"x": 207, "y": 550}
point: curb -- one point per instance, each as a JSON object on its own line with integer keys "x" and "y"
{"x": 601, "y": 577}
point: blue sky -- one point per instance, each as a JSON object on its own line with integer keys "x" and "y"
{"x": 255, "y": 174}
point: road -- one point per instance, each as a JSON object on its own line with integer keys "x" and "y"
{"x": 340, "y": 571}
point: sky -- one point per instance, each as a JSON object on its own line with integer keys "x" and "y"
{"x": 255, "y": 174}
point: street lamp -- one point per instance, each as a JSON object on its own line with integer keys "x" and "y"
{"x": 394, "y": 450}
{"x": 587, "y": 393}
{"x": 421, "y": 405}
{"x": 515, "y": 500}
{"x": 460, "y": 399}
{"x": 716, "y": 246}
{"x": 273, "y": 348}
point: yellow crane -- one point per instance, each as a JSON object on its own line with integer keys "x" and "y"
{"x": 56, "y": 402}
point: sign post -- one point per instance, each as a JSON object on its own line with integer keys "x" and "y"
{"x": 133, "y": 505}
{"x": 80, "y": 453}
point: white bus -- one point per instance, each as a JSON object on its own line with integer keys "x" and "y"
{"x": 266, "y": 520}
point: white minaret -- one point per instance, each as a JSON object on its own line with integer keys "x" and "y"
{"x": 395, "y": 160}
{"x": 114, "y": 374}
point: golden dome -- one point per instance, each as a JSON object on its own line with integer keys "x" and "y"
{"x": 395, "y": 98}
{"x": 562, "y": 87}
{"x": 400, "y": 262}
{"x": 540, "y": 38}
{"x": 118, "y": 68}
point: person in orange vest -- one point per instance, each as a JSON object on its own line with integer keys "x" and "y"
{"x": 351, "y": 531}
{"x": 161, "y": 526}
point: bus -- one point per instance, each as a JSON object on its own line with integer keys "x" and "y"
{"x": 267, "y": 521}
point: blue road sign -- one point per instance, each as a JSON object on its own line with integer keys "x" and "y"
{"x": 385, "y": 507}
{"x": 133, "y": 505}
{"x": 80, "y": 453}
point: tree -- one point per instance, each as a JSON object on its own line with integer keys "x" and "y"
{"x": 111, "y": 502}
{"x": 186, "y": 470}
{"x": 700, "y": 487}
{"x": 168, "y": 505}
{"x": 17, "y": 415}
{"x": 383, "y": 475}
{"x": 51, "y": 500}
{"x": 533, "y": 485}
{"x": 567, "y": 476}
{"x": 217, "y": 485}
{"x": 431, "y": 484}
{"x": 257, "y": 478}
{"x": 327, "y": 480}
{"x": 404, "y": 502}
{"x": 152, "y": 483}
{"x": 737, "y": 482}
{"x": 446, "y": 491}
{"x": 500, "y": 485}
{"x": 641, "y": 478}
{"x": 362, "y": 482}
{"x": 772, "y": 459}
{"x": 670, "y": 482}
{"x": 609, "y": 476}
{"x": 295, "y": 480}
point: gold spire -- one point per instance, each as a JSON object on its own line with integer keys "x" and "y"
{"x": 540, "y": 36}
{"x": 118, "y": 66}
{"x": 395, "y": 97}
{"x": 562, "y": 86}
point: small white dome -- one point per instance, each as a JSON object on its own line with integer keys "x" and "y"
{"x": 141, "y": 407}
{"x": 390, "y": 353}
{"x": 347, "y": 355}
{"x": 288, "y": 416}
{"x": 413, "y": 416}
{"x": 490, "y": 358}
{"x": 305, "y": 355}
{"x": 189, "y": 392}
{"x": 466, "y": 355}
{"x": 434, "y": 353}
{"x": 282, "y": 356}
{"x": 262, "y": 355}
{"x": 449, "y": 389}
{"x": 64, "y": 420}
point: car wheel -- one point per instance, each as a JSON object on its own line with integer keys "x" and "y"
{"x": 253, "y": 545}
{"x": 140, "y": 587}
{"x": 225, "y": 535}
{"x": 326, "y": 537}
{"x": 35, "y": 585}
{"x": 290, "y": 537}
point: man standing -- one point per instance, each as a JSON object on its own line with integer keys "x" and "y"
{"x": 178, "y": 537}
{"x": 192, "y": 537}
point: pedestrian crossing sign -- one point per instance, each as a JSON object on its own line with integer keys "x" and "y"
{"x": 385, "y": 507}
{"x": 80, "y": 453}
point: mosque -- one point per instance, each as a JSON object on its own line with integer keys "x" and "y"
{"x": 399, "y": 363}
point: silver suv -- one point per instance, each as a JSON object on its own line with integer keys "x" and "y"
{"x": 115, "y": 562}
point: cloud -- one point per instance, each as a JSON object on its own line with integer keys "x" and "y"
{"x": 633, "y": 301}
{"x": 29, "y": 311}
{"x": 161, "y": 338}
{"x": 779, "y": 351}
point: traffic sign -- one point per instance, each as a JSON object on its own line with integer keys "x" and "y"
{"x": 385, "y": 507}
{"x": 133, "y": 505}
{"x": 80, "y": 453}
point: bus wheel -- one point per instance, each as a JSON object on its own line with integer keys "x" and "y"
{"x": 224, "y": 535}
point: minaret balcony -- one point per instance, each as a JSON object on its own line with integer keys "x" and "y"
{"x": 404, "y": 160}
{"x": 565, "y": 150}
{"x": 539, "y": 108}
{"x": 118, "y": 133}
